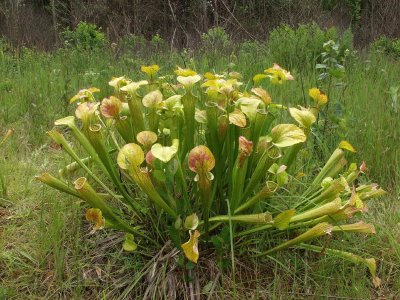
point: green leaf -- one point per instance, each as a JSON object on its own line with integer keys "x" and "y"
{"x": 146, "y": 138}
{"x": 178, "y": 223}
{"x": 174, "y": 235}
{"x": 237, "y": 118}
{"x": 326, "y": 182}
{"x": 280, "y": 174}
{"x": 132, "y": 87}
{"x": 159, "y": 175}
{"x": 172, "y": 166}
{"x": 152, "y": 99}
{"x": 188, "y": 81}
{"x": 286, "y": 135}
{"x": 258, "y": 77}
{"x": 207, "y": 288}
{"x": 129, "y": 244}
{"x": 347, "y": 146}
{"x": 282, "y": 220}
{"x": 165, "y": 153}
{"x": 303, "y": 116}
{"x": 249, "y": 106}
{"x": 173, "y": 103}
{"x": 190, "y": 265}
{"x": 200, "y": 116}
{"x": 67, "y": 121}
{"x": 263, "y": 95}
{"x": 130, "y": 154}
{"x": 191, "y": 222}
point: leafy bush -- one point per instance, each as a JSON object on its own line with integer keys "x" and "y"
{"x": 300, "y": 47}
{"x": 134, "y": 43}
{"x": 206, "y": 164}
{"x": 215, "y": 39}
{"x": 216, "y": 42}
{"x": 387, "y": 46}
{"x": 331, "y": 74}
{"x": 86, "y": 36}
{"x": 158, "y": 43}
{"x": 5, "y": 47}
{"x": 252, "y": 48}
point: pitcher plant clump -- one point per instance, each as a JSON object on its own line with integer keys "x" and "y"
{"x": 190, "y": 158}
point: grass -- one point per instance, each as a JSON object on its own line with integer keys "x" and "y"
{"x": 46, "y": 250}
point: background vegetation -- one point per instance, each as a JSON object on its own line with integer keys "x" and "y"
{"x": 181, "y": 22}
{"x": 46, "y": 250}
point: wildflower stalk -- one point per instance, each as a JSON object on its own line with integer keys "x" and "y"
{"x": 254, "y": 230}
{"x": 74, "y": 166}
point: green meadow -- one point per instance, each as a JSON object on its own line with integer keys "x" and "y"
{"x": 47, "y": 250}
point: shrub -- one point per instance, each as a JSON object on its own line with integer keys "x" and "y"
{"x": 205, "y": 165}
{"x": 134, "y": 43}
{"x": 216, "y": 38}
{"x": 252, "y": 48}
{"x": 387, "y": 46}
{"x": 331, "y": 74}
{"x": 86, "y": 36}
{"x": 301, "y": 47}
{"x": 5, "y": 47}
{"x": 216, "y": 42}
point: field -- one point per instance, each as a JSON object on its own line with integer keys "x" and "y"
{"x": 46, "y": 250}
